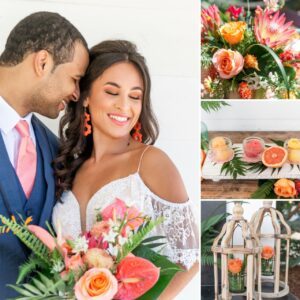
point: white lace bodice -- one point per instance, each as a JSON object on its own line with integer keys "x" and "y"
{"x": 179, "y": 226}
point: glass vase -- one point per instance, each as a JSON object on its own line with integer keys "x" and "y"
{"x": 267, "y": 266}
{"x": 236, "y": 282}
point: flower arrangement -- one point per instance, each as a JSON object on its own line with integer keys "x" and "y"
{"x": 248, "y": 56}
{"x": 111, "y": 261}
{"x": 267, "y": 261}
{"x": 236, "y": 275}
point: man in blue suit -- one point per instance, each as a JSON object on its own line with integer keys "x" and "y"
{"x": 44, "y": 58}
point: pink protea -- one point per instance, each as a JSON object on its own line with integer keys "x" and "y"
{"x": 271, "y": 30}
{"x": 210, "y": 21}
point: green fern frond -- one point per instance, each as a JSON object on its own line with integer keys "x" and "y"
{"x": 27, "y": 238}
{"x": 236, "y": 166}
{"x": 28, "y": 267}
{"x": 257, "y": 167}
{"x": 264, "y": 190}
{"x": 137, "y": 238}
{"x": 210, "y": 106}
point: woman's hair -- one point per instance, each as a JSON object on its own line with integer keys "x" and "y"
{"x": 75, "y": 148}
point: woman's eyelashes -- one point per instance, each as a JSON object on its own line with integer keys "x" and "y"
{"x": 133, "y": 96}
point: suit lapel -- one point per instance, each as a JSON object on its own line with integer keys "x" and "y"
{"x": 47, "y": 158}
{"x": 10, "y": 190}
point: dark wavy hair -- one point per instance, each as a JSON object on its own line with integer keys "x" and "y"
{"x": 42, "y": 31}
{"x": 75, "y": 147}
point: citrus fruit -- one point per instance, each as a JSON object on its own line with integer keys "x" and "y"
{"x": 136, "y": 276}
{"x": 274, "y": 157}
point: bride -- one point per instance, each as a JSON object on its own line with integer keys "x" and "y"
{"x": 106, "y": 153}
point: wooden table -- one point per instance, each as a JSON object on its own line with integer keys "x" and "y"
{"x": 239, "y": 189}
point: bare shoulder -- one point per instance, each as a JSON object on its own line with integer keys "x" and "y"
{"x": 161, "y": 176}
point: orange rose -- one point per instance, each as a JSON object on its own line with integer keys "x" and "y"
{"x": 96, "y": 284}
{"x": 235, "y": 265}
{"x": 228, "y": 63}
{"x": 233, "y": 32}
{"x": 285, "y": 188}
{"x": 98, "y": 258}
{"x": 267, "y": 252}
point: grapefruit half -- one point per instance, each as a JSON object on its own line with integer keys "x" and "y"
{"x": 274, "y": 157}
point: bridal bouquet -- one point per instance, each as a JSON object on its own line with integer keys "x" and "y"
{"x": 245, "y": 55}
{"x": 111, "y": 261}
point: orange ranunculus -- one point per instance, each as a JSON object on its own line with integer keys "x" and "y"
{"x": 96, "y": 284}
{"x": 267, "y": 252}
{"x": 233, "y": 32}
{"x": 244, "y": 90}
{"x": 228, "y": 63}
{"x": 285, "y": 188}
{"x": 235, "y": 265}
{"x": 250, "y": 61}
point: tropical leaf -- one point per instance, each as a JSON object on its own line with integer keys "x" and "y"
{"x": 257, "y": 167}
{"x": 137, "y": 238}
{"x": 167, "y": 271}
{"x": 236, "y": 166}
{"x": 27, "y": 238}
{"x": 264, "y": 190}
{"x": 28, "y": 267}
{"x": 210, "y": 106}
{"x": 278, "y": 142}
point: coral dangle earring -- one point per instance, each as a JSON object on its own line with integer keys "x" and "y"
{"x": 87, "y": 127}
{"x": 137, "y": 135}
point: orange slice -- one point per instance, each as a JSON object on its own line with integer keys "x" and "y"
{"x": 274, "y": 157}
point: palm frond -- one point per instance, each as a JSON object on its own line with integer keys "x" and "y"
{"x": 210, "y": 106}
{"x": 28, "y": 267}
{"x": 137, "y": 238}
{"x": 27, "y": 238}
{"x": 264, "y": 191}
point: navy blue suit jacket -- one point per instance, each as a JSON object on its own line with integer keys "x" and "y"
{"x": 12, "y": 252}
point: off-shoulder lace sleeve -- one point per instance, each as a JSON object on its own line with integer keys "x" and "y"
{"x": 180, "y": 229}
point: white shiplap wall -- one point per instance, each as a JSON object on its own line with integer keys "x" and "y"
{"x": 167, "y": 34}
{"x": 255, "y": 115}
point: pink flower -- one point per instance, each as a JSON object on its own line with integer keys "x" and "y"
{"x": 100, "y": 228}
{"x": 228, "y": 63}
{"x": 270, "y": 29}
{"x": 74, "y": 262}
{"x": 235, "y": 11}
{"x": 210, "y": 21}
{"x": 96, "y": 284}
{"x": 43, "y": 235}
{"x": 98, "y": 258}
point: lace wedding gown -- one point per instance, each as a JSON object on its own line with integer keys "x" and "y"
{"x": 179, "y": 226}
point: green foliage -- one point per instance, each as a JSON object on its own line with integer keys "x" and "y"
{"x": 137, "y": 238}
{"x": 210, "y": 106}
{"x": 236, "y": 166}
{"x": 167, "y": 271}
{"x": 27, "y": 238}
{"x": 264, "y": 191}
{"x": 209, "y": 231}
{"x": 257, "y": 167}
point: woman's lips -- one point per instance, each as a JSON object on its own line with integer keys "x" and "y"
{"x": 119, "y": 120}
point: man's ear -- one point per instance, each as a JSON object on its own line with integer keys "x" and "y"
{"x": 43, "y": 63}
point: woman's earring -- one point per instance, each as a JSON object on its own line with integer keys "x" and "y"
{"x": 87, "y": 127}
{"x": 137, "y": 135}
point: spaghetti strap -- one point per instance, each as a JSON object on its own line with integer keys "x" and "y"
{"x": 138, "y": 170}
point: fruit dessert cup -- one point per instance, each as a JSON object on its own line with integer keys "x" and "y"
{"x": 253, "y": 148}
{"x": 293, "y": 147}
{"x": 220, "y": 149}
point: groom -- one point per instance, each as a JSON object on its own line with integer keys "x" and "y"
{"x": 44, "y": 58}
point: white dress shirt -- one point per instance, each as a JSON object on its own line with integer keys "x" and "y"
{"x": 11, "y": 137}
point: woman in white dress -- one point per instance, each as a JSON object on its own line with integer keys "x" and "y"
{"x": 107, "y": 153}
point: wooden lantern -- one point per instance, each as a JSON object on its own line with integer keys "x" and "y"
{"x": 275, "y": 288}
{"x": 249, "y": 250}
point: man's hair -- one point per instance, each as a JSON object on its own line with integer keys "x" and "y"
{"x": 42, "y": 31}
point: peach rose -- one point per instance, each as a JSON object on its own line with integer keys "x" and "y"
{"x": 96, "y": 284}
{"x": 267, "y": 252}
{"x": 235, "y": 265}
{"x": 233, "y": 32}
{"x": 285, "y": 188}
{"x": 98, "y": 258}
{"x": 228, "y": 63}
{"x": 99, "y": 228}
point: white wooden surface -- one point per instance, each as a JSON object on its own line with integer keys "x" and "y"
{"x": 167, "y": 34}
{"x": 211, "y": 170}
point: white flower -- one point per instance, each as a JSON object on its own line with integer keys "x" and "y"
{"x": 58, "y": 266}
{"x": 112, "y": 250}
{"x": 110, "y": 236}
{"x": 122, "y": 240}
{"x": 80, "y": 245}
{"x": 295, "y": 236}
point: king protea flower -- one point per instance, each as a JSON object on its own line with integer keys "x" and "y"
{"x": 271, "y": 30}
{"x": 210, "y": 21}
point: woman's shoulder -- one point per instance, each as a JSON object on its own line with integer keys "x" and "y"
{"x": 161, "y": 176}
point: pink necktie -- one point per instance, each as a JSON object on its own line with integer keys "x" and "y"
{"x": 27, "y": 158}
